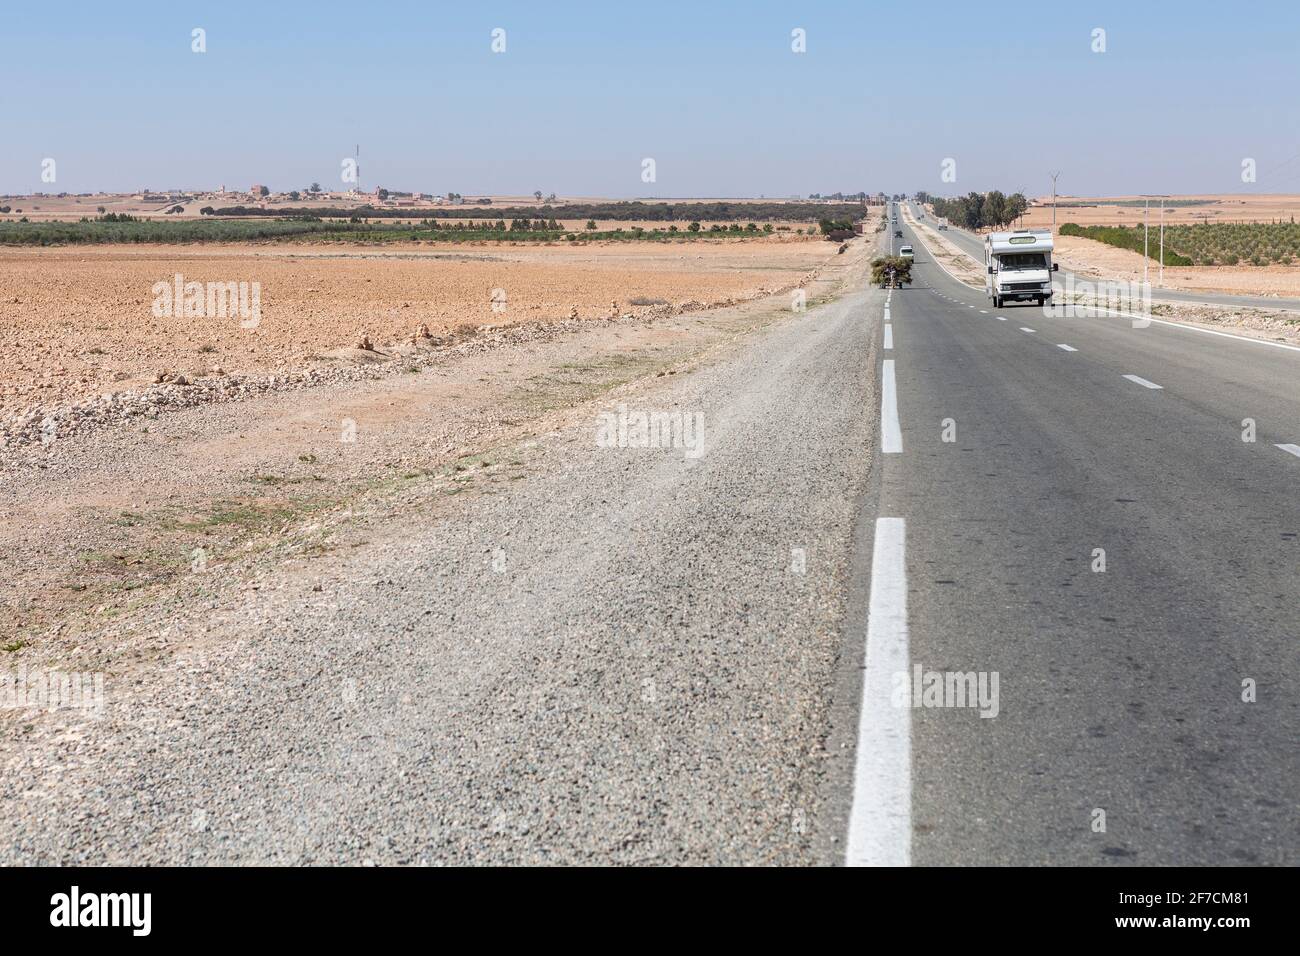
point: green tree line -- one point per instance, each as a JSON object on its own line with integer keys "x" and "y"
{"x": 990, "y": 210}
{"x": 618, "y": 211}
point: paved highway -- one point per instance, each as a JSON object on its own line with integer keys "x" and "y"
{"x": 1120, "y": 689}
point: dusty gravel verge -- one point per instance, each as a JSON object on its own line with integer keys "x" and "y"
{"x": 472, "y": 635}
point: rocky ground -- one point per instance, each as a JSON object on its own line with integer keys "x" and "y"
{"x": 103, "y": 500}
{"x": 208, "y": 561}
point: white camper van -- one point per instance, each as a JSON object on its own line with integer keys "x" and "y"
{"x": 1018, "y": 266}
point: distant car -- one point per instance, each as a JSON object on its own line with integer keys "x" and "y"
{"x": 898, "y": 234}
{"x": 943, "y": 227}
{"x": 905, "y": 252}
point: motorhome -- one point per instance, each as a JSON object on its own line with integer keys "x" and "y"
{"x": 1018, "y": 266}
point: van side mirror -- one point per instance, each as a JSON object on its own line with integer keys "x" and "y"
{"x": 990, "y": 270}
{"x": 1056, "y": 267}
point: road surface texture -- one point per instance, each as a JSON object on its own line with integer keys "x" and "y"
{"x": 648, "y": 655}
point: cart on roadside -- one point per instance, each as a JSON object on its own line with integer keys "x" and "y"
{"x": 891, "y": 272}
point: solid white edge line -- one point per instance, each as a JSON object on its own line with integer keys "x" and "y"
{"x": 1067, "y": 348}
{"x": 1142, "y": 381}
{"x": 1291, "y": 449}
{"x": 891, "y": 433}
{"x": 889, "y": 337}
{"x": 1197, "y": 328}
{"x": 880, "y": 821}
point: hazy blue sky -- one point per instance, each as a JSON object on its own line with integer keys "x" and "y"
{"x": 711, "y": 91}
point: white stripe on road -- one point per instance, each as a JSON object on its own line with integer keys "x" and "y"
{"x": 1002, "y": 318}
{"x": 1068, "y": 348}
{"x": 1293, "y": 449}
{"x": 982, "y": 312}
{"x": 1240, "y": 338}
{"x": 891, "y": 433}
{"x": 880, "y": 823}
{"x": 1142, "y": 381}
{"x": 889, "y": 336}
{"x": 1023, "y": 329}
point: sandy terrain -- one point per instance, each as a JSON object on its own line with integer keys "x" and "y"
{"x": 77, "y": 321}
{"x": 1097, "y": 258}
{"x": 1223, "y": 207}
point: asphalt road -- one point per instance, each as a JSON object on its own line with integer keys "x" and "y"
{"x": 1119, "y": 690}
{"x": 974, "y": 245}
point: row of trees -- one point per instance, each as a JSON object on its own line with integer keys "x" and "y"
{"x": 633, "y": 210}
{"x": 988, "y": 210}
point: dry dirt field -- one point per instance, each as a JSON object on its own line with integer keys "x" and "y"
{"x": 77, "y": 321}
{"x": 73, "y": 207}
{"x": 1222, "y": 207}
{"x": 1096, "y": 258}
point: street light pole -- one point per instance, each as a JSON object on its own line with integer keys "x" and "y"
{"x": 1054, "y": 175}
{"x": 1162, "y": 242}
{"x": 1146, "y": 241}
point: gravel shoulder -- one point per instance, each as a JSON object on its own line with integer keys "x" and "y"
{"x": 477, "y": 633}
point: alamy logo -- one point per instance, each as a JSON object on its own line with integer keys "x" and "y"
{"x": 653, "y": 429}
{"x": 210, "y": 300}
{"x": 38, "y": 690}
{"x": 924, "y": 688}
{"x": 1084, "y": 299}
{"x": 103, "y": 909}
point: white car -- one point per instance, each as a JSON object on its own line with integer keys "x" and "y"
{"x": 905, "y": 252}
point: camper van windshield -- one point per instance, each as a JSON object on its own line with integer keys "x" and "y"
{"x": 1023, "y": 260}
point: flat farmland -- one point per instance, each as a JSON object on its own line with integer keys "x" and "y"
{"x": 77, "y": 321}
{"x": 1181, "y": 210}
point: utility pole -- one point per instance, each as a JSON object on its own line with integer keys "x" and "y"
{"x": 1054, "y": 175}
{"x": 1146, "y": 233}
{"x": 1161, "y": 282}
